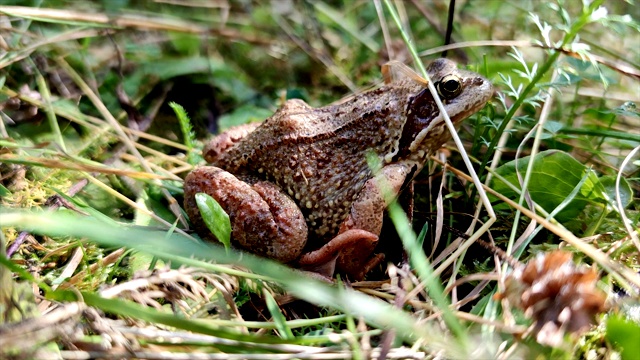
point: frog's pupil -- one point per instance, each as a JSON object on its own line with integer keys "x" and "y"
{"x": 451, "y": 86}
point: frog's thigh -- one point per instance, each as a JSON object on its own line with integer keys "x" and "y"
{"x": 264, "y": 220}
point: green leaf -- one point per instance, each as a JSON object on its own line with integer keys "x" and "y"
{"x": 626, "y": 335}
{"x": 609, "y": 184}
{"x": 228, "y": 79}
{"x": 4, "y": 191}
{"x": 215, "y": 218}
{"x": 188, "y": 44}
{"x": 554, "y": 175}
{"x": 243, "y": 115}
{"x": 168, "y": 68}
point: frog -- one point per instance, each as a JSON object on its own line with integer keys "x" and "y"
{"x": 299, "y": 188}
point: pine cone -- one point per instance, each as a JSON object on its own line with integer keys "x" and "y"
{"x": 557, "y": 294}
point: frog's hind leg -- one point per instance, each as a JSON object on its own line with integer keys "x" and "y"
{"x": 264, "y": 220}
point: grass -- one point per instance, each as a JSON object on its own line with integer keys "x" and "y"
{"x": 92, "y": 158}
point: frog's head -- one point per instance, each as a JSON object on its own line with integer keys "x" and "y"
{"x": 462, "y": 92}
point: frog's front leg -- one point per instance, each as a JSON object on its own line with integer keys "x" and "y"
{"x": 351, "y": 250}
{"x": 264, "y": 220}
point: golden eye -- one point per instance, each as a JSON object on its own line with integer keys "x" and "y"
{"x": 449, "y": 87}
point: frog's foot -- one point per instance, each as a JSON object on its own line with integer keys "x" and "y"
{"x": 356, "y": 266}
{"x": 264, "y": 220}
{"x": 344, "y": 246}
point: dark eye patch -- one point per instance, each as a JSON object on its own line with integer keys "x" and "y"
{"x": 421, "y": 110}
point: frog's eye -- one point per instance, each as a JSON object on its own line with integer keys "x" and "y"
{"x": 449, "y": 87}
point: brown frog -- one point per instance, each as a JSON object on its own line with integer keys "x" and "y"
{"x": 298, "y": 187}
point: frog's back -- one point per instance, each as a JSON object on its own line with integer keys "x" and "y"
{"x": 367, "y": 120}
